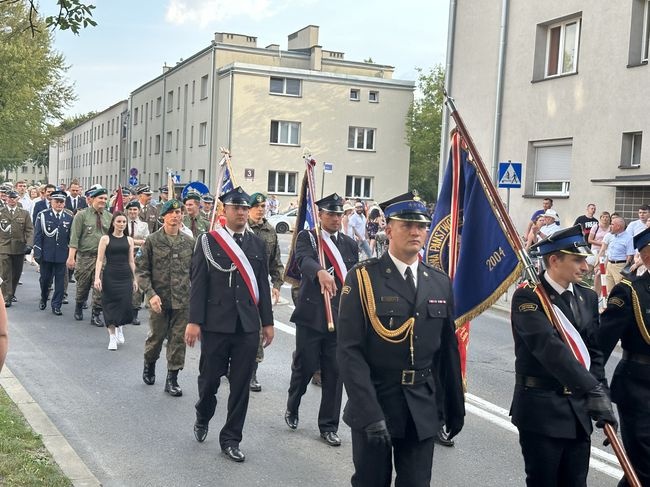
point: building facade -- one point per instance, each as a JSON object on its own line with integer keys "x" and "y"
{"x": 268, "y": 106}
{"x": 563, "y": 88}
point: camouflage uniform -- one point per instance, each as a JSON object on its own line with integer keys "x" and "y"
{"x": 201, "y": 225}
{"x": 276, "y": 270}
{"x": 85, "y": 238}
{"x": 163, "y": 269}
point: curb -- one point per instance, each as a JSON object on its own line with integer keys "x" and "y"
{"x": 64, "y": 455}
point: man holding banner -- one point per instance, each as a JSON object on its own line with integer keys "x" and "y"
{"x": 315, "y": 344}
{"x": 559, "y": 387}
{"x": 229, "y": 298}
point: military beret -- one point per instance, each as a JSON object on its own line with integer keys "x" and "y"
{"x": 169, "y": 205}
{"x": 256, "y": 199}
{"x": 133, "y": 204}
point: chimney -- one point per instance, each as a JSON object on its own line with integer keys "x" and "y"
{"x": 166, "y": 68}
{"x": 304, "y": 39}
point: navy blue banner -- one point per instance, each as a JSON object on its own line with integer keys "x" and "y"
{"x": 305, "y": 220}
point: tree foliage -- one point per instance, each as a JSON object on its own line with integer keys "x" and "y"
{"x": 423, "y": 124}
{"x": 73, "y": 15}
{"x": 33, "y": 90}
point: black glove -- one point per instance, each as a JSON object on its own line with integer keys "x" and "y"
{"x": 28, "y": 249}
{"x": 454, "y": 426}
{"x": 600, "y": 408}
{"x": 377, "y": 434}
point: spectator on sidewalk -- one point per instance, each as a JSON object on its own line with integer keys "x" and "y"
{"x": 533, "y": 235}
{"x": 551, "y": 225}
{"x": 547, "y": 204}
{"x": 617, "y": 247}
{"x": 358, "y": 223}
{"x": 587, "y": 221}
{"x": 595, "y": 238}
{"x": 637, "y": 226}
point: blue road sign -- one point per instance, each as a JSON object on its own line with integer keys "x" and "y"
{"x": 328, "y": 167}
{"x": 510, "y": 174}
{"x": 177, "y": 178}
{"x": 134, "y": 172}
{"x": 133, "y": 180}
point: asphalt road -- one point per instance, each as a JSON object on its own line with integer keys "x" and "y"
{"x": 131, "y": 434}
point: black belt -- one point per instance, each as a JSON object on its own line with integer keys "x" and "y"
{"x": 541, "y": 383}
{"x": 639, "y": 358}
{"x": 617, "y": 261}
{"x": 407, "y": 377}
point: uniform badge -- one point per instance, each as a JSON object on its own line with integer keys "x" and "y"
{"x": 527, "y": 307}
{"x": 618, "y": 302}
{"x": 389, "y": 299}
{"x": 437, "y": 301}
{"x": 388, "y": 271}
{"x": 345, "y": 290}
{"x": 425, "y": 273}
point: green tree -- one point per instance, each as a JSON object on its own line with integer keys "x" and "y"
{"x": 73, "y": 15}
{"x": 423, "y": 125}
{"x": 33, "y": 90}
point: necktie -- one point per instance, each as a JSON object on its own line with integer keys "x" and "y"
{"x": 74, "y": 204}
{"x": 334, "y": 239}
{"x": 570, "y": 299}
{"x": 238, "y": 238}
{"x": 410, "y": 282}
{"x": 58, "y": 216}
{"x": 132, "y": 228}
{"x": 193, "y": 228}
{"x": 99, "y": 222}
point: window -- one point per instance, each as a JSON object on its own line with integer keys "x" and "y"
{"x": 193, "y": 90}
{"x": 552, "y": 167}
{"x": 158, "y": 106}
{"x": 201, "y": 175}
{"x": 285, "y": 133}
{"x": 285, "y": 86}
{"x": 360, "y": 138}
{"x": 157, "y": 151}
{"x": 178, "y": 99}
{"x": 149, "y": 145}
{"x": 355, "y": 94}
{"x": 631, "y": 149}
{"x": 170, "y": 101}
{"x": 373, "y": 96}
{"x": 282, "y": 182}
{"x": 645, "y": 42}
{"x": 191, "y": 135}
{"x": 168, "y": 141}
{"x": 562, "y": 42}
{"x": 135, "y": 148}
{"x": 358, "y": 187}
{"x": 140, "y": 153}
{"x": 178, "y": 134}
{"x": 204, "y": 88}
{"x": 203, "y": 133}
{"x": 141, "y": 113}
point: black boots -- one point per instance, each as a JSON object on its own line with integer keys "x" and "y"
{"x": 135, "y": 321}
{"x": 254, "y": 385}
{"x": 78, "y": 311}
{"x": 96, "y": 318}
{"x": 149, "y": 374}
{"x": 171, "y": 384}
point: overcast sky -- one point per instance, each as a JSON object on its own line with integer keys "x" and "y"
{"x": 134, "y": 38}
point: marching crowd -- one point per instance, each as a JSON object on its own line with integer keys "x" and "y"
{"x": 382, "y": 327}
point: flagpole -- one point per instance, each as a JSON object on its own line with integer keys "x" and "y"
{"x": 531, "y": 276}
{"x": 221, "y": 170}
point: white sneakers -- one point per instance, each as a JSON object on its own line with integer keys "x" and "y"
{"x": 112, "y": 342}
{"x": 119, "y": 335}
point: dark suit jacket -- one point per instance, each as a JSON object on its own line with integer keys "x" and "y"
{"x": 310, "y": 306}
{"x": 38, "y": 207}
{"x": 81, "y": 203}
{"x": 54, "y": 248}
{"x": 631, "y": 380}
{"x": 215, "y": 305}
{"x": 371, "y": 367}
{"x": 541, "y": 353}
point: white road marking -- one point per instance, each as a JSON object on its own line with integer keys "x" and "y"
{"x": 600, "y": 460}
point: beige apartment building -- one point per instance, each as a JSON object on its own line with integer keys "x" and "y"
{"x": 562, "y": 86}
{"x": 94, "y": 151}
{"x": 268, "y": 106}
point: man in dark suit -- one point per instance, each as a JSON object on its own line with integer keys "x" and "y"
{"x": 395, "y": 325}
{"x": 315, "y": 344}
{"x": 626, "y": 318}
{"x": 229, "y": 298}
{"x": 557, "y": 393}
{"x": 51, "y": 239}
{"x": 44, "y": 204}
{"x": 75, "y": 201}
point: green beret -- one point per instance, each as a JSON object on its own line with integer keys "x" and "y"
{"x": 256, "y": 199}
{"x": 168, "y": 206}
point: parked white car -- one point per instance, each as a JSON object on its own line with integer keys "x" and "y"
{"x": 284, "y": 222}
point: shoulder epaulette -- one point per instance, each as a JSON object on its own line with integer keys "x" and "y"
{"x": 365, "y": 263}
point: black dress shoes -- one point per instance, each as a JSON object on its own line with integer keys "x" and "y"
{"x": 200, "y": 432}
{"x": 442, "y": 438}
{"x": 331, "y": 438}
{"x": 56, "y": 311}
{"x": 234, "y": 453}
{"x": 42, "y": 305}
{"x": 8, "y": 303}
{"x": 291, "y": 419}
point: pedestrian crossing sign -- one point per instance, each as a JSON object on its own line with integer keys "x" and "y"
{"x": 510, "y": 174}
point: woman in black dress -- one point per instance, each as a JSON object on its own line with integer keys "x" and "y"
{"x": 118, "y": 280}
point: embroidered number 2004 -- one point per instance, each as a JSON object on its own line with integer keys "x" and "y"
{"x": 492, "y": 261}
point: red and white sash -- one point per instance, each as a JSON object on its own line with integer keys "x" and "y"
{"x": 334, "y": 255}
{"x": 574, "y": 339}
{"x": 236, "y": 254}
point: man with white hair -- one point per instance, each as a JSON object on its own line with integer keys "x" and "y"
{"x": 618, "y": 247}
{"x": 550, "y": 224}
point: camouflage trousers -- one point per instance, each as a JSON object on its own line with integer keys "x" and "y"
{"x": 138, "y": 297}
{"x": 260, "y": 348}
{"x": 169, "y": 324}
{"x": 85, "y": 275}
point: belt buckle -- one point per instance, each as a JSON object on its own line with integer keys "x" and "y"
{"x": 408, "y": 377}
{"x": 566, "y": 391}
